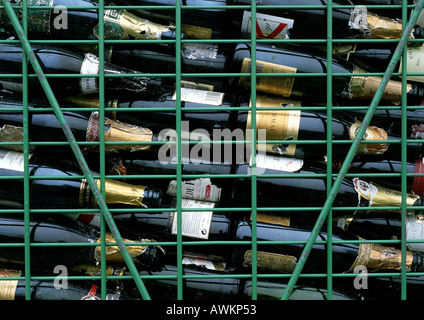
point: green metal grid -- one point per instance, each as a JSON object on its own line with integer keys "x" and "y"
{"x": 326, "y": 210}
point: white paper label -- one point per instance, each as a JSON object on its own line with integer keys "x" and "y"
{"x": 12, "y": 160}
{"x": 90, "y": 65}
{"x": 359, "y": 18}
{"x": 364, "y": 189}
{"x": 199, "y": 189}
{"x": 208, "y": 264}
{"x": 415, "y": 231}
{"x": 414, "y": 62}
{"x": 267, "y": 26}
{"x": 200, "y": 96}
{"x": 194, "y": 224}
{"x": 280, "y": 163}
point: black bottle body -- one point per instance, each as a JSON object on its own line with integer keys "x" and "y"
{"x": 299, "y": 183}
{"x": 66, "y": 189}
{"x": 196, "y": 58}
{"x": 291, "y": 58}
{"x": 198, "y": 23}
{"x": 60, "y": 60}
{"x": 291, "y": 125}
{"x": 307, "y": 23}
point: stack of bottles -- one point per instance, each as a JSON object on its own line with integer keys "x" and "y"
{"x": 175, "y": 131}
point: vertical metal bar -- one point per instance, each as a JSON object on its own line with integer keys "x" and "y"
{"x": 75, "y": 148}
{"x": 101, "y": 83}
{"x": 253, "y": 148}
{"x": 404, "y": 159}
{"x": 179, "y": 166}
{"x": 329, "y": 144}
{"x": 27, "y": 203}
{"x": 367, "y": 119}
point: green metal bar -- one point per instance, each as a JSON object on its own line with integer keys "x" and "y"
{"x": 75, "y": 148}
{"x": 180, "y": 280}
{"x": 253, "y": 148}
{"x": 367, "y": 119}
{"x": 329, "y": 144}
{"x": 27, "y": 240}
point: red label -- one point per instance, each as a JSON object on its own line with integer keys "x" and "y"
{"x": 417, "y": 131}
{"x": 418, "y": 182}
{"x": 273, "y": 34}
{"x": 93, "y": 290}
{"x": 86, "y": 218}
{"x": 208, "y": 191}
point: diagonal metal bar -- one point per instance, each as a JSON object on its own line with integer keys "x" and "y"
{"x": 75, "y": 148}
{"x": 352, "y": 151}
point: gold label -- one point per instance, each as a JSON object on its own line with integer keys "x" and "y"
{"x": 279, "y": 124}
{"x": 9, "y": 133}
{"x": 375, "y": 26}
{"x": 273, "y": 219}
{"x": 121, "y": 24}
{"x": 8, "y": 287}
{"x": 116, "y": 192}
{"x": 118, "y": 131}
{"x": 271, "y": 261}
{"x": 195, "y": 32}
{"x": 377, "y": 257}
{"x": 379, "y": 196}
{"x": 365, "y": 87}
{"x": 282, "y": 86}
{"x": 382, "y": 27}
{"x": 371, "y": 133}
{"x": 113, "y": 253}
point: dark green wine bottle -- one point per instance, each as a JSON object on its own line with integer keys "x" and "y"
{"x": 64, "y": 60}
{"x": 67, "y": 188}
{"x": 292, "y": 58}
{"x": 290, "y": 187}
{"x": 43, "y": 126}
{"x": 283, "y": 122}
{"x": 49, "y": 290}
{"x": 52, "y": 229}
{"x": 301, "y": 22}
{"x": 63, "y": 22}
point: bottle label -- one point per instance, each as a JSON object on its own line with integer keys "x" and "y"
{"x": 279, "y": 163}
{"x": 92, "y": 219}
{"x": 116, "y": 192}
{"x": 199, "y": 51}
{"x": 121, "y": 24}
{"x": 119, "y": 132}
{"x": 420, "y": 20}
{"x": 39, "y": 20}
{"x": 272, "y": 218}
{"x": 90, "y": 65}
{"x": 414, "y": 62}
{"x": 196, "y": 32}
{"x": 271, "y": 261}
{"x": 376, "y": 257}
{"x": 267, "y": 26}
{"x": 418, "y": 182}
{"x": 378, "y": 196}
{"x": 371, "y": 133}
{"x": 8, "y": 287}
{"x": 200, "y": 96}
{"x": 198, "y": 189}
{"x": 365, "y": 87}
{"x": 194, "y": 224}
{"x": 204, "y": 263}
{"x": 282, "y": 86}
{"x": 113, "y": 253}
{"x": 374, "y": 26}
{"x": 12, "y": 160}
{"x": 196, "y": 85}
{"x": 279, "y": 124}
{"x": 414, "y": 231}
{"x": 9, "y": 133}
